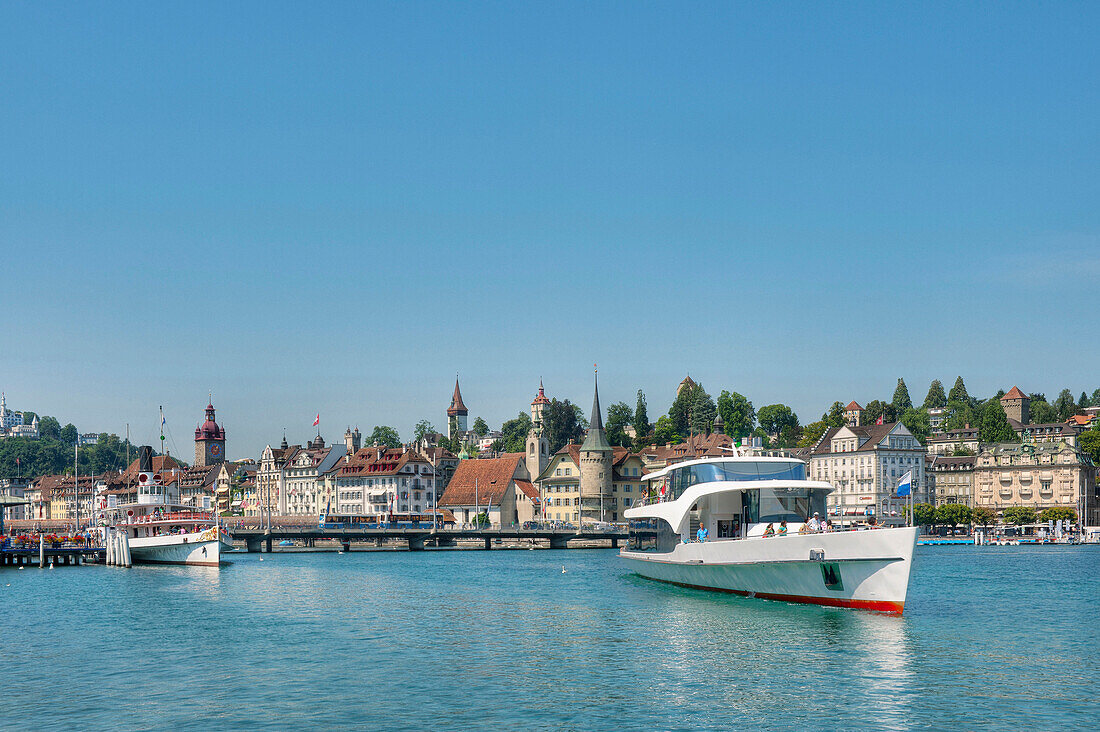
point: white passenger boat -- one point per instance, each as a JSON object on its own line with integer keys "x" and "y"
{"x": 736, "y": 499}
{"x": 161, "y": 530}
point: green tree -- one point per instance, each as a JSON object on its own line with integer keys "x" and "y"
{"x": 901, "y": 400}
{"x": 1083, "y": 402}
{"x": 876, "y": 409}
{"x": 935, "y": 398}
{"x": 994, "y": 426}
{"x": 641, "y": 418}
{"x": 917, "y": 422}
{"x": 835, "y": 416}
{"x": 962, "y": 450}
{"x": 737, "y": 414}
{"x": 422, "y": 428}
{"x": 480, "y": 428}
{"x": 689, "y": 399}
{"x": 983, "y": 516}
{"x": 1065, "y": 405}
{"x": 619, "y": 415}
{"x": 68, "y": 435}
{"x": 562, "y": 421}
{"x": 49, "y": 428}
{"x": 1095, "y": 398}
{"x": 1019, "y": 515}
{"x": 703, "y": 411}
{"x": 384, "y": 436}
{"x": 664, "y": 432}
{"x": 1042, "y": 413}
{"x": 924, "y": 514}
{"x": 953, "y": 514}
{"x": 958, "y": 392}
{"x": 774, "y": 418}
{"x": 790, "y": 435}
{"x": 1089, "y": 443}
{"x": 960, "y": 415}
{"x": 514, "y": 434}
{"x": 812, "y": 432}
{"x": 1058, "y": 513}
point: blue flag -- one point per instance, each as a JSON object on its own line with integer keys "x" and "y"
{"x": 905, "y": 485}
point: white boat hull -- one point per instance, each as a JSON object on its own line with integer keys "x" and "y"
{"x": 872, "y": 567}
{"x": 193, "y": 549}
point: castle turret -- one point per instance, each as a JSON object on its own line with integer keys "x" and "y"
{"x": 209, "y": 440}
{"x": 456, "y": 414}
{"x": 353, "y": 441}
{"x": 595, "y": 457}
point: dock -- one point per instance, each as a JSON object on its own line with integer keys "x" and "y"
{"x": 61, "y": 555}
{"x": 417, "y": 539}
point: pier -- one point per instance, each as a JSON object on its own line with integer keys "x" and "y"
{"x": 42, "y": 555}
{"x": 261, "y": 540}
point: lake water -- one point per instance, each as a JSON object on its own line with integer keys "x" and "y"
{"x": 993, "y": 637}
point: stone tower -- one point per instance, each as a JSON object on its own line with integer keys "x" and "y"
{"x": 1017, "y": 405}
{"x": 456, "y": 414}
{"x": 353, "y": 441}
{"x": 209, "y": 440}
{"x": 538, "y": 447}
{"x": 595, "y": 457}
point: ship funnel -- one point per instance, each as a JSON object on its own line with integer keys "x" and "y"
{"x": 145, "y": 459}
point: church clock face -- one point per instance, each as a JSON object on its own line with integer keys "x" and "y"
{"x": 215, "y": 449}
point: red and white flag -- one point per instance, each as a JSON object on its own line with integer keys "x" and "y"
{"x": 317, "y": 419}
{"x": 879, "y": 420}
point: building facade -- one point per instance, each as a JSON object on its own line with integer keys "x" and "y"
{"x": 951, "y": 479}
{"x": 499, "y": 487}
{"x": 379, "y": 481}
{"x": 864, "y": 464}
{"x": 1038, "y": 475}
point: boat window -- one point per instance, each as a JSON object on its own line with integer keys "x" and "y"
{"x": 683, "y": 478}
{"x": 792, "y": 503}
{"x": 652, "y": 535}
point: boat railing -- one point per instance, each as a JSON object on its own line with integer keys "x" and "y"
{"x": 173, "y": 516}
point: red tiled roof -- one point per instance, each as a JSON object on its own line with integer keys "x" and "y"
{"x": 528, "y": 488}
{"x": 489, "y": 479}
{"x": 852, "y": 405}
{"x": 1014, "y": 393}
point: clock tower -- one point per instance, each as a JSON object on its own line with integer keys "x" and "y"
{"x": 209, "y": 441}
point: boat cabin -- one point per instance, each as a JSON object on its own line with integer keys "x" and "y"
{"x": 733, "y": 498}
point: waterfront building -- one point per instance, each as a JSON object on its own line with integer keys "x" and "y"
{"x": 500, "y": 487}
{"x": 951, "y": 479}
{"x": 196, "y": 485}
{"x": 377, "y": 481}
{"x": 559, "y": 484}
{"x": 15, "y": 488}
{"x": 209, "y": 440}
{"x": 269, "y": 494}
{"x": 864, "y": 465}
{"x": 304, "y": 470}
{"x": 1066, "y": 432}
{"x": 456, "y": 415}
{"x": 1040, "y": 475}
{"x": 444, "y": 464}
{"x": 853, "y": 414}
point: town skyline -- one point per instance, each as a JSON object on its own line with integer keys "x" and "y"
{"x": 301, "y": 431}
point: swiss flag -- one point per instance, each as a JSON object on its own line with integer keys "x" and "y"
{"x": 317, "y": 420}
{"x": 877, "y": 421}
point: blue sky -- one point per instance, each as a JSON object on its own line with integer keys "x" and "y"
{"x": 336, "y": 207}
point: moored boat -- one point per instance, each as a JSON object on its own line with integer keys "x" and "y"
{"x": 756, "y": 518}
{"x": 161, "y": 530}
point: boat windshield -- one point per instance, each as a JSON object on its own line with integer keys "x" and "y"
{"x": 683, "y": 478}
{"x": 652, "y": 535}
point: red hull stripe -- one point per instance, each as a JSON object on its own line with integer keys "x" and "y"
{"x": 884, "y": 606}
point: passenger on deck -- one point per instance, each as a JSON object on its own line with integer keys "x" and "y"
{"x": 827, "y": 527}
{"x": 701, "y": 534}
{"x": 814, "y": 523}
{"x": 769, "y": 530}
{"x": 782, "y": 528}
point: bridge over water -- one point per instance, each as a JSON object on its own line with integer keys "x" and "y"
{"x": 259, "y": 539}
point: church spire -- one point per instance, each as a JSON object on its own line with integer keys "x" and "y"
{"x": 596, "y": 439}
{"x": 457, "y": 407}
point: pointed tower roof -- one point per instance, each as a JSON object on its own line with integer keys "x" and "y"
{"x": 541, "y": 397}
{"x": 596, "y": 439}
{"x": 1014, "y": 393}
{"x": 457, "y": 407}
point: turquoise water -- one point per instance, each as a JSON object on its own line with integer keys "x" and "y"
{"x": 993, "y": 637}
